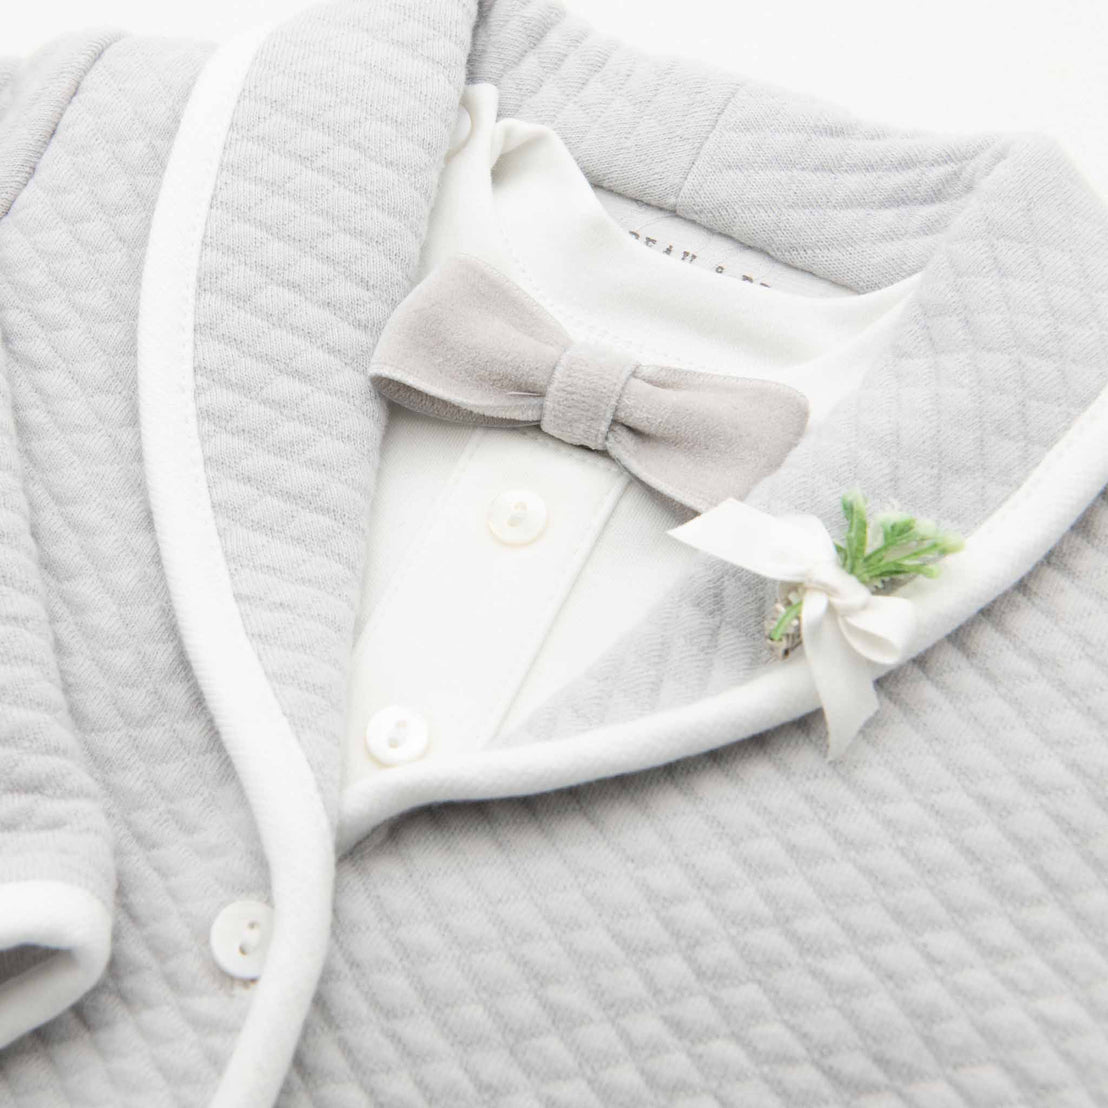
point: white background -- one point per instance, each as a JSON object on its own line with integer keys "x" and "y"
{"x": 960, "y": 65}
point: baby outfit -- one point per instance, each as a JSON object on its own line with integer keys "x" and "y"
{"x": 367, "y": 737}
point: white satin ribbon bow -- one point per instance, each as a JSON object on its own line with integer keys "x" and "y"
{"x": 843, "y": 626}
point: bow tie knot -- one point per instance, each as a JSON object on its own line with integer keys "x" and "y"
{"x": 583, "y": 393}
{"x": 469, "y": 346}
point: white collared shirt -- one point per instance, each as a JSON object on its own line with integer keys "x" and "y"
{"x": 501, "y": 563}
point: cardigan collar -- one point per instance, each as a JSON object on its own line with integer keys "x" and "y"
{"x": 315, "y": 208}
{"x": 289, "y": 227}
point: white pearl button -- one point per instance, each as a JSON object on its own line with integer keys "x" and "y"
{"x": 462, "y": 126}
{"x": 396, "y": 735}
{"x": 517, "y": 517}
{"x": 240, "y": 938}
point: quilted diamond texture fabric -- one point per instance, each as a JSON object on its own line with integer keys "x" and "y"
{"x": 299, "y": 273}
{"x": 850, "y": 201}
{"x": 33, "y": 96}
{"x": 52, "y": 825}
{"x": 925, "y": 923}
{"x": 161, "y": 1023}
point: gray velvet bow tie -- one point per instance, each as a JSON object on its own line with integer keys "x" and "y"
{"x": 470, "y": 346}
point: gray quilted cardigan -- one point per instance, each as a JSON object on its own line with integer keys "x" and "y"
{"x": 187, "y": 453}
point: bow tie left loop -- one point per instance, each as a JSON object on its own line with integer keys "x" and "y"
{"x": 468, "y": 345}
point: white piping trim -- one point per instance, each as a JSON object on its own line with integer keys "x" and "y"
{"x": 1004, "y": 548}
{"x": 277, "y": 780}
{"x": 50, "y": 914}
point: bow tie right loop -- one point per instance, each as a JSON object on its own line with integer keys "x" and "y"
{"x": 582, "y": 394}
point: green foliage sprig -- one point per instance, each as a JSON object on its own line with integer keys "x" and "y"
{"x": 908, "y": 547}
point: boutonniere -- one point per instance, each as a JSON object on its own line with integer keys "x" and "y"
{"x": 837, "y": 598}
